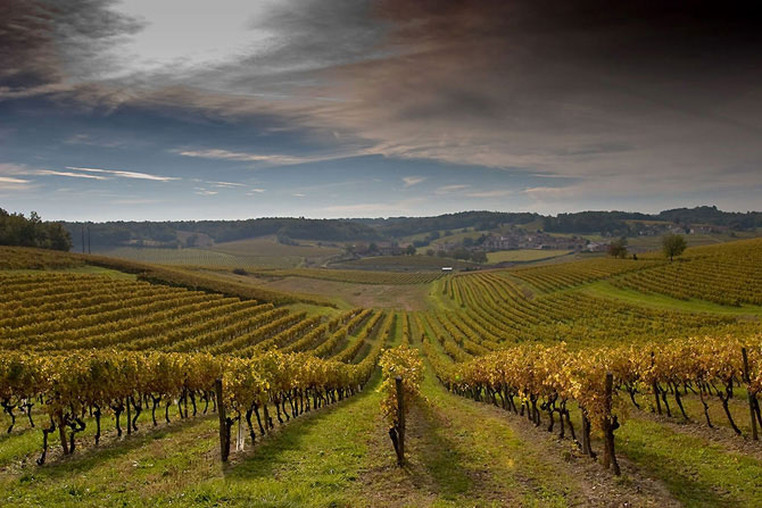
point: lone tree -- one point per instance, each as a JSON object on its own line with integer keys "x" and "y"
{"x": 673, "y": 245}
{"x": 618, "y": 248}
{"x": 479, "y": 256}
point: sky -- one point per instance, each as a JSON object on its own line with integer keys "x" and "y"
{"x": 187, "y": 109}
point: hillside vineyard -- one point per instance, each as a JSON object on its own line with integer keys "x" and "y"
{"x": 579, "y": 349}
{"x": 380, "y": 254}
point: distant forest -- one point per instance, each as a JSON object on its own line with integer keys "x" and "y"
{"x": 169, "y": 234}
{"x": 17, "y": 230}
{"x": 618, "y": 223}
{"x": 288, "y": 230}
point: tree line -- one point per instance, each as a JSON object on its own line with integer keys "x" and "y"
{"x": 612, "y": 224}
{"x": 621, "y": 223}
{"x": 18, "y": 230}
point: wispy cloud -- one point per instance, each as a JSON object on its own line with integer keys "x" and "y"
{"x": 205, "y": 192}
{"x": 265, "y": 159}
{"x": 216, "y": 153}
{"x": 549, "y": 191}
{"x": 125, "y": 174}
{"x": 254, "y": 192}
{"x": 89, "y": 140}
{"x": 9, "y": 183}
{"x": 413, "y": 180}
{"x": 227, "y": 184}
{"x": 7, "y": 168}
{"x": 549, "y": 175}
{"x": 447, "y": 189}
{"x": 83, "y": 173}
{"x": 299, "y": 195}
{"x": 7, "y": 179}
{"x": 497, "y": 193}
{"x": 70, "y": 174}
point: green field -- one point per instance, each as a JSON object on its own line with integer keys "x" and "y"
{"x": 355, "y": 276}
{"x": 268, "y": 246}
{"x": 182, "y": 257}
{"x": 653, "y": 243}
{"x": 264, "y": 252}
{"x": 524, "y": 255}
{"x": 405, "y": 263}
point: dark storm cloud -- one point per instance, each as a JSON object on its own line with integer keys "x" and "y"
{"x": 533, "y": 47}
{"x": 42, "y": 42}
{"x": 26, "y": 52}
{"x": 711, "y": 23}
{"x": 319, "y": 33}
{"x": 555, "y": 85}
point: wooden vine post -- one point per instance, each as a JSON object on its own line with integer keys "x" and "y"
{"x": 62, "y": 431}
{"x": 400, "y": 418}
{"x": 610, "y": 424}
{"x": 655, "y": 387}
{"x": 587, "y": 448}
{"x": 224, "y": 427}
{"x": 752, "y": 398}
{"x": 397, "y": 432}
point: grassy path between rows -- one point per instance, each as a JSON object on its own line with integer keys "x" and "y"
{"x": 339, "y": 456}
{"x": 696, "y": 470}
{"x": 343, "y": 457}
{"x": 460, "y": 453}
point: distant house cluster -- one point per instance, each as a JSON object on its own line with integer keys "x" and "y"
{"x": 475, "y": 248}
{"x": 654, "y": 228}
{"x": 381, "y": 248}
{"x": 533, "y": 240}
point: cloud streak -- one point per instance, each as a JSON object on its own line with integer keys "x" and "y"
{"x": 409, "y": 181}
{"x": 70, "y": 174}
{"x": 227, "y": 155}
{"x": 122, "y": 174}
{"x": 14, "y": 184}
{"x": 264, "y": 159}
{"x": 497, "y": 193}
{"x": 449, "y": 189}
{"x": 227, "y": 185}
{"x": 83, "y": 173}
{"x": 9, "y": 180}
